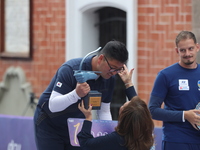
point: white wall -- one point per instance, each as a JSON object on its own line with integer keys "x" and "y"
{"x": 82, "y": 35}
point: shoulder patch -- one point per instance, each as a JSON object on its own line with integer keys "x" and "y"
{"x": 58, "y": 84}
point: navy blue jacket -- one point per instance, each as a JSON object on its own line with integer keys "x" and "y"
{"x": 112, "y": 141}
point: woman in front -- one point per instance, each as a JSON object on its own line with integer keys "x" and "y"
{"x": 133, "y": 132}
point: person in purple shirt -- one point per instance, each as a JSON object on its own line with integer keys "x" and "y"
{"x": 135, "y": 125}
{"x": 178, "y": 87}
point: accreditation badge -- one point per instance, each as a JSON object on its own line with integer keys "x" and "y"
{"x": 183, "y": 85}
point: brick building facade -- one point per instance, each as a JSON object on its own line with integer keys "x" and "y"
{"x": 158, "y": 24}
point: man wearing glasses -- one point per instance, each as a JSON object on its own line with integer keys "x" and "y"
{"x": 61, "y": 98}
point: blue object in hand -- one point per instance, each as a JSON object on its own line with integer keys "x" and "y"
{"x": 83, "y": 76}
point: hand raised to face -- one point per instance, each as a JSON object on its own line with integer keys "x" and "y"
{"x": 126, "y": 76}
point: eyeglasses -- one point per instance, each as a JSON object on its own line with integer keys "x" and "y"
{"x": 113, "y": 69}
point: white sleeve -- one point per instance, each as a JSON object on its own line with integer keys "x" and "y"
{"x": 104, "y": 112}
{"x": 183, "y": 117}
{"x": 59, "y": 102}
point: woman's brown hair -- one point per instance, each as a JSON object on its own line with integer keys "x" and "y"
{"x": 136, "y": 125}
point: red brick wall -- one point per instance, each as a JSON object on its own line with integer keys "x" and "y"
{"x": 48, "y": 44}
{"x": 159, "y": 21}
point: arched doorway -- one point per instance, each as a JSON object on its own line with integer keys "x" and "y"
{"x": 112, "y": 26}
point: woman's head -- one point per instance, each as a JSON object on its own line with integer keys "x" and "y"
{"x": 136, "y": 125}
{"x": 122, "y": 107}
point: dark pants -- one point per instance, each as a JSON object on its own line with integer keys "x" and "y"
{"x": 46, "y": 136}
{"x": 179, "y": 146}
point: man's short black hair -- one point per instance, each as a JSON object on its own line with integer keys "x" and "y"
{"x": 115, "y": 50}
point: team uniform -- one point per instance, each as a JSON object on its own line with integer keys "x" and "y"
{"x": 112, "y": 141}
{"x": 51, "y": 129}
{"x": 179, "y": 89}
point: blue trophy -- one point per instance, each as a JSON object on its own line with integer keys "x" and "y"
{"x": 93, "y": 97}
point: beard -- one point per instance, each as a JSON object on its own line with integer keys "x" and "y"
{"x": 188, "y": 63}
